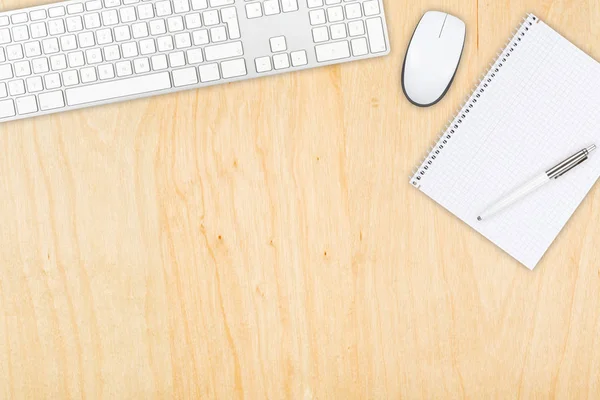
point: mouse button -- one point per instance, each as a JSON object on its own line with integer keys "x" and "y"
{"x": 454, "y": 27}
{"x": 431, "y": 24}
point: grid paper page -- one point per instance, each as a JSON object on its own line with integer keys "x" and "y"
{"x": 540, "y": 107}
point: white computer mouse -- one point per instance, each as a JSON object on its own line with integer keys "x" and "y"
{"x": 432, "y": 58}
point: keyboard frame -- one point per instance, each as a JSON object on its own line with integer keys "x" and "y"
{"x": 292, "y": 22}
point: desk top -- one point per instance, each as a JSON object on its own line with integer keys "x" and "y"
{"x": 261, "y": 240}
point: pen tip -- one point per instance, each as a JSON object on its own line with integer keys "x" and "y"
{"x": 479, "y": 219}
{"x": 591, "y": 148}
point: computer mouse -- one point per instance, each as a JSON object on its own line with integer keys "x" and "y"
{"x": 432, "y": 58}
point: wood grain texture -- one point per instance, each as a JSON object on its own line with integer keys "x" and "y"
{"x": 261, "y": 240}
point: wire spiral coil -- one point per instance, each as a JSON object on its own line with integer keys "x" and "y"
{"x": 470, "y": 102}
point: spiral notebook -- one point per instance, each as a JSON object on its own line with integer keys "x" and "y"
{"x": 538, "y": 104}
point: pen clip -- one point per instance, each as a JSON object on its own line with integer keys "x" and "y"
{"x": 561, "y": 173}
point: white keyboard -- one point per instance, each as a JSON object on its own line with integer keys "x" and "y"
{"x": 76, "y": 54}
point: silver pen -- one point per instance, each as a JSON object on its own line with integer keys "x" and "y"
{"x": 539, "y": 181}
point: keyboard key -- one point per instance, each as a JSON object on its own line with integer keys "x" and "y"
{"x": 147, "y": 47}
{"x": 211, "y": 17}
{"x": 76, "y": 59}
{"x": 7, "y": 108}
{"x": 22, "y": 68}
{"x": 34, "y": 84}
{"x": 193, "y": 21}
{"x": 299, "y": 58}
{"x": 177, "y": 59}
{"x": 127, "y": 14}
{"x": 158, "y": 27}
{"x": 14, "y": 52}
{"x": 19, "y": 18}
{"x": 163, "y": 8}
{"x": 194, "y": 56}
{"x": 183, "y": 40}
{"x": 263, "y": 64}
{"x": 165, "y": 43}
{"x": 376, "y": 35}
{"x": 70, "y": 78}
{"x": 175, "y": 24}
{"x": 371, "y": 8}
{"x": 56, "y": 27}
{"x": 122, "y": 33}
{"x": 338, "y": 31}
{"x": 37, "y": 15}
{"x": 317, "y": 17}
{"x": 281, "y": 61}
{"x": 88, "y": 75}
{"x": 271, "y": 7}
{"x": 112, "y": 53}
{"x": 209, "y": 73}
{"x": 181, "y": 6}
{"x": 3, "y": 90}
{"x": 254, "y": 10}
{"x": 139, "y": 30}
{"x": 234, "y": 68}
{"x": 20, "y": 33}
{"x": 56, "y": 12}
{"x": 106, "y": 71}
{"x": 223, "y": 51}
{"x": 353, "y": 11}
{"x": 50, "y": 46}
{"x": 185, "y": 77}
{"x": 218, "y": 34}
{"x": 27, "y": 105}
{"x": 141, "y": 65}
{"x": 52, "y": 81}
{"x": 109, "y": 18}
{"x": 356, "y": 28}
{"x": 278, "y": 44}
{"x": 332, "y": 51}
{"x": 38, "y": 30}
{"x": 124, "y": 68}
{"x": 75, "y": 8}
{"x": 4, "y": 36}
{"x": 229, "y": 17}
{"x": 335, "y": 14}
{"x": 93, "y": 56}
{"x": 120, "y": 88}
{"x": 75, "y": 24}
{"x": 200, "y": 37}
{"x": 40, "y": 65}
{"x": 93, "y": 5}
{"x": 159, "y": 62}
{"x": 145, "y": 11}
{"x": 359, "y": 47}
{"x": 5, "y": 72}
{"x": 51, "y": 100}
{"x": 16, "y": 88}
{"x": 289, "y": 5}
{"x": 199, "y": 4}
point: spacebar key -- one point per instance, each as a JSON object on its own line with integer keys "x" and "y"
{"x": 118, "y": 88}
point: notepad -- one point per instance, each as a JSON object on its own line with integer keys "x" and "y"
{"x": 538, "y": 104}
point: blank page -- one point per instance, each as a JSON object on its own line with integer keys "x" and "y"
{"x": 538, "y": 104}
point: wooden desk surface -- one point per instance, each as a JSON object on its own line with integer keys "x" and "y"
{"x": 261, "y": 240}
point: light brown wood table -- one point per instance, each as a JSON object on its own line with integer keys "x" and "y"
{"x": 261, "y": 240}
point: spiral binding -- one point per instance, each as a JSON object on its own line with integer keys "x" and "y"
{"x": 469, "y": 103}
